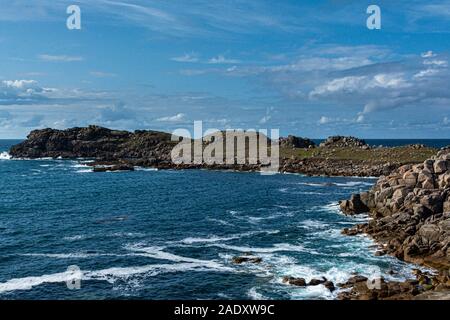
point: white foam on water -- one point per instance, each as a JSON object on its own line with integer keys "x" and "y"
{"x": 75, "y": 255}
{"x": 5, "y": 156}
{"x": 279, "y": 247}
{"x": 313, "y": 224}
{"x": 145, "y": 169}
{"x": 126, "y": 234}
{"x": 220, "y": 221}
{"x": 214, "y": 238}
{"x": 316, "y": 184}
{"x": 28, "y": 283}
{"x": 82, "y": 168}
{"x": 191, "y": 240}
{"x": 158, "y": 253}
{"x": 277, "y": 215}
{"x": 255, "y": 295}
{"x": 80, "y": 165}
{"x": 309, "y": 193}
{"x": 110, "y": 275}
{"x": 332, "y": 207}
{"x": 354, "y": 184}
{"x": 75, "y": 237}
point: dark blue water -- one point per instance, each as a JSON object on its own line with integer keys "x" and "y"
{"x": 434, "y": 143}
{"x": 172, "y": 234}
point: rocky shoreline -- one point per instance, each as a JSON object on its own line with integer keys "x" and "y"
{"x": 115, "y": 150}
{"x": 410, "y": 218}
{"x": 409, "y": 206}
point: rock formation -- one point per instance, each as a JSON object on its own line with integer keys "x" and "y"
{"x": 123, "y": 150}
{"x": 96, "y": 142}
{"x": 411, "y": 212}
{"x": 344, "y": 142}
{"x": 296, "y": 142}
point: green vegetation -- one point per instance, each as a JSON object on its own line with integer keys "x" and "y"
{"x": 406, "y": 154}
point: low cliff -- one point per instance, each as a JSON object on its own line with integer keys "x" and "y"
{"x": 144, "y": 147}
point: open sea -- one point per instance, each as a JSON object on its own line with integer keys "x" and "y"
{"x": 172, "y": 234}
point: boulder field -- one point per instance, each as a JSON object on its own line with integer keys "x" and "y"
{"x": 410, "y": 211}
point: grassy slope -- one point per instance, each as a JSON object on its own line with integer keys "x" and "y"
{"x": 377, "y": 155}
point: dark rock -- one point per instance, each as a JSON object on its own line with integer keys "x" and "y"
{"x": 329, "y": 285}
{"x": 299, "y": 282}
{"x": 296, "y": 142}
{"x": 248, "y": 259}
{"x": 353, "y": 206}
{"x": 316, "y": 282}
{"x": 119, "y": 167}
{"x": 343, "y": 142}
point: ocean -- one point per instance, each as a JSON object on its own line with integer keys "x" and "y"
{"x": 170, "y": 234}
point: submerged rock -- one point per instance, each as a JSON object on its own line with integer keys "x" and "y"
{"x": 119, "y": 167}
{"x": 246, "y": 259}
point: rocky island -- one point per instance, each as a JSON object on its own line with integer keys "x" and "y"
{"x": 122, "y": 150}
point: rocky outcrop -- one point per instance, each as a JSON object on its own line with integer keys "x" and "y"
{"x": 153, "y": 149}
{"x": 337, "y": 167}
{"x": 296, "y": 142}
{"x": 246, "y": 259}
{"x": 301, "y": 282}
{"x": 411, "y": 212}
{"x": 344, "y": 142}
{"x": 142, "y": 147}
{"x": 354, "y": 205}
{"x": 426, "y": 286}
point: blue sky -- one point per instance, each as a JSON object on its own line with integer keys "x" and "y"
{"x": 309, "y": 68}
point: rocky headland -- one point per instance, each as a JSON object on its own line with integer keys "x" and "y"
{"x": 410, "y": 218}
{"x": 122, "y": 150}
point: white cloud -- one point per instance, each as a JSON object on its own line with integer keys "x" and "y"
{"x": 347, "y": 84}
{"x": 330, "y": 120}
{"x": 425, "y": 73}
{"x": 360, "y": 118}
{"x": 428, "y": 54}
{"x": 186, "y": 58}
{"x": 176, "y": 118}
{"x": 15, "y": 91}
{"x": 435, "y": 62}
{"x": 324, "y": 120}
{"x": 385, "y": 80}
{"x": 101, "y": 74}
{"x": 265, "y": 119}
{"x": 60, "y": 58}
{"x": 352, "y": 84}
{"x": 220, "y": 59}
